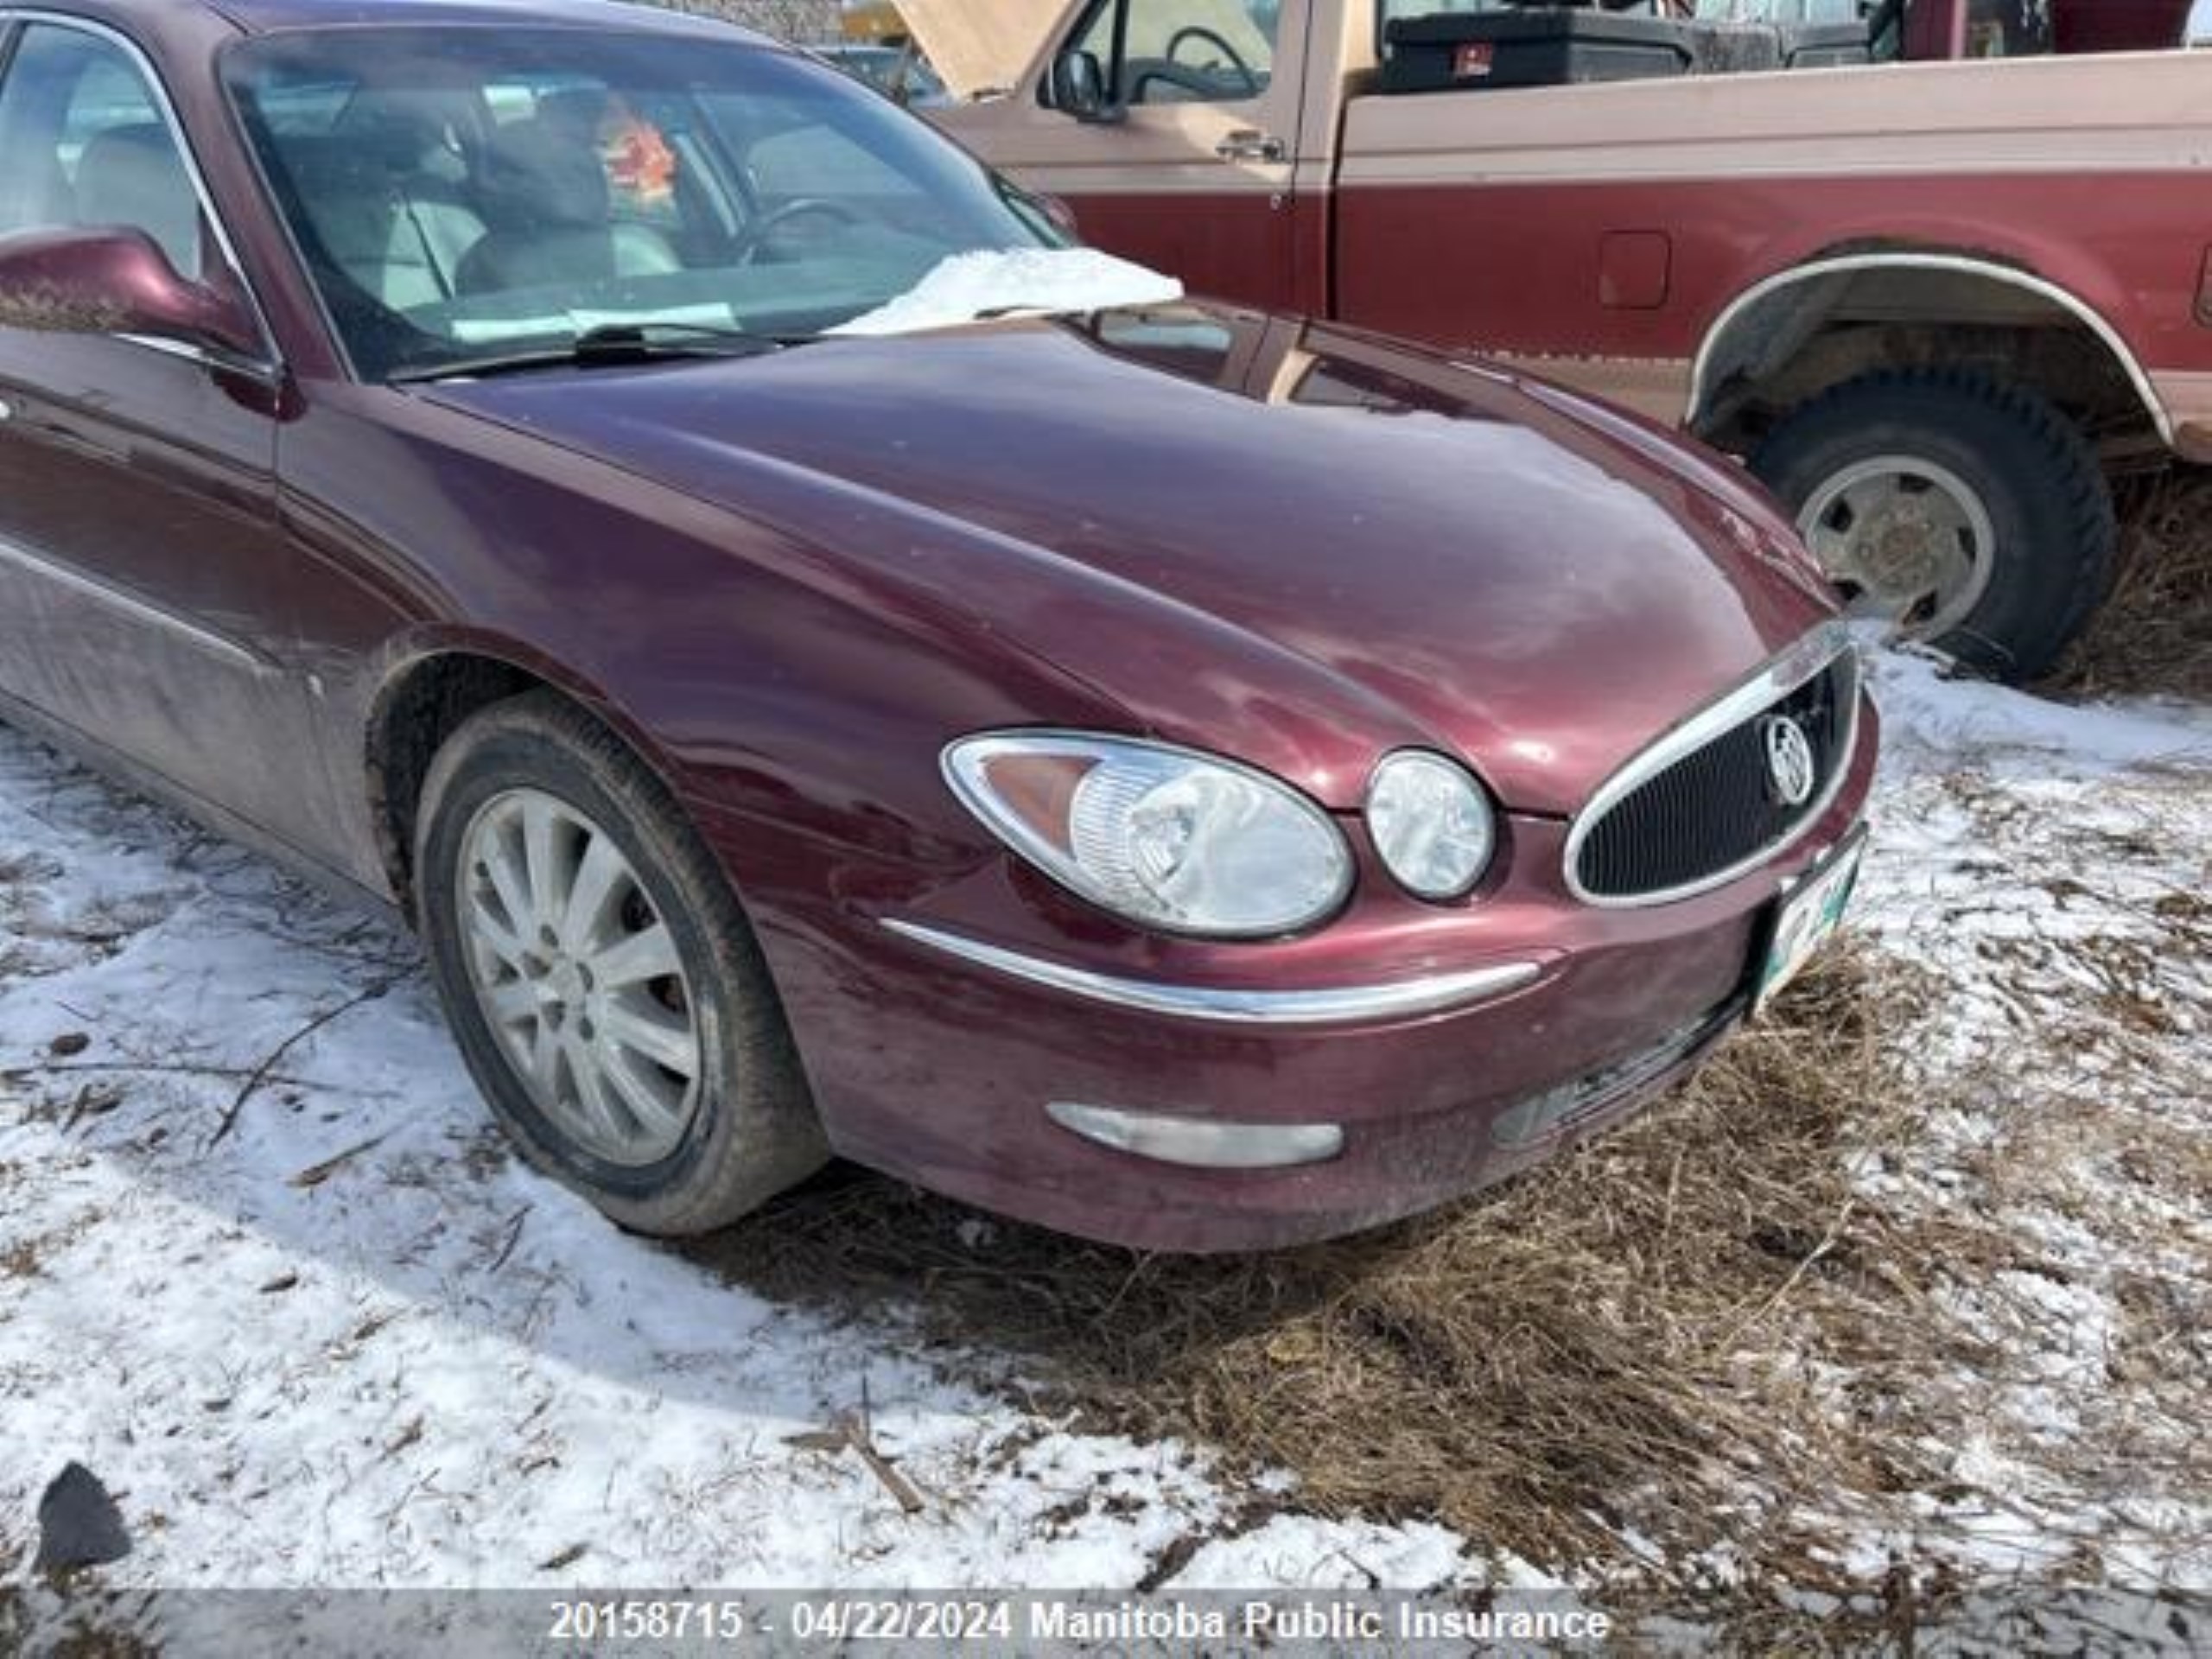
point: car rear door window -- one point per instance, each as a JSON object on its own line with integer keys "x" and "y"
{"x": 87, "y": 144}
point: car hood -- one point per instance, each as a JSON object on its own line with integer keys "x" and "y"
{"x": 1298, "y": 544}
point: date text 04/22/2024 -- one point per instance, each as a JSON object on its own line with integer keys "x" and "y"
{"x": 993, "y": 1620}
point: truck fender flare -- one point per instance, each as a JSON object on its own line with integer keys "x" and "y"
{"x": 1900, "y": 259}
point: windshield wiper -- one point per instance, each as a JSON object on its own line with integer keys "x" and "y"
{"x": 609, "y": 343}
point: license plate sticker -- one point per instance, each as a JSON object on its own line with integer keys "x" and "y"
{"x": 1806, "y": 918}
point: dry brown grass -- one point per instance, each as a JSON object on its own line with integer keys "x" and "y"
{"x": 2153, "y": 638}
{"x": 1638, "y": 1336}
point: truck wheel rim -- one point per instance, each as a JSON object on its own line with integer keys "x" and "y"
{"x": 1909, "y": 541}
{"x": 579, "y": 977}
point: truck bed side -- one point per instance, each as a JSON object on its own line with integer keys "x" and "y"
{"x": 1620, "y": 221}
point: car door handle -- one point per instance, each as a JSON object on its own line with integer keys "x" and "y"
{"x": 1247, "y": 144}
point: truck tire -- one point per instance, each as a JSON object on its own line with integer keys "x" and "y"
{"x": 601, "y": 982}
{"x": 1966, "y": 511}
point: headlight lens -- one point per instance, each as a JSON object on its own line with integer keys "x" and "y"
{"x": 1432, "y": 823}
{"x": 1163, "y": 837}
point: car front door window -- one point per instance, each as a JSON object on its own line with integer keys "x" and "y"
{"x": 87, "y": 145}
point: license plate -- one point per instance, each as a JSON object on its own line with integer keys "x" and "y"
{"x": 1808, "y": 914}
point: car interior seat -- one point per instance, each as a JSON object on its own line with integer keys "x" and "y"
{"x": 386, "y": 217}
{"x": 543, "y": 184}
{"x": 132, "y": 175}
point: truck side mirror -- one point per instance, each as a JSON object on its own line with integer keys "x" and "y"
{"x": 1079, "y": 88}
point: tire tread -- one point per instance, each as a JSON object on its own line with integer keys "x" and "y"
{"x": 2070, "y": 574}
{"x": 771, "y": 1137}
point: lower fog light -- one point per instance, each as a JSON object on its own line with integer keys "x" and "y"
{"x": 1201, "y": 1142}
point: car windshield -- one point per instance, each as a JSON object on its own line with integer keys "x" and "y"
{"x": 892, "y": 70}
{"x": 461, "y": 194}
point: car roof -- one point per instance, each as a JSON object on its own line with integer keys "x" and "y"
{"x": 268, "y": 16}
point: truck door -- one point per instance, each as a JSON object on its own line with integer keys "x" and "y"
{"x": 1169, "y": 127}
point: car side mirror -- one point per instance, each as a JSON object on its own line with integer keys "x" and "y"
{"x": 115, "y": 280}
{"x": 1079, "y": 88}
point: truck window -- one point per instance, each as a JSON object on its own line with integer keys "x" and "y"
{"x": 1186, "y": 51}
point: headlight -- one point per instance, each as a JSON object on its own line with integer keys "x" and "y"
{"x": 1432, "y": 823}
{"x": 1161, "y": 836}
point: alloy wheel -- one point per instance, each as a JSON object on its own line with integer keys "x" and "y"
{"x": 579, "y": 977}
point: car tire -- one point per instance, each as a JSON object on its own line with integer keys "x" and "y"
{"x": 1978, "y": 461}
{"x": 652, "y": 1071}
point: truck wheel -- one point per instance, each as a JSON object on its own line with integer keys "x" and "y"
{"x": 1963, "y": 510}
{"x": 603, "y": 985}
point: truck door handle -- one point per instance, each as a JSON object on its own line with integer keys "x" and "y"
{"x": 1247, "y": 144}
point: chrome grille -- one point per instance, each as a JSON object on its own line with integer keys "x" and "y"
{"x": 1703, "y": 804}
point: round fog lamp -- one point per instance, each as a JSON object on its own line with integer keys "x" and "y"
{"x": 1432, "y": 823}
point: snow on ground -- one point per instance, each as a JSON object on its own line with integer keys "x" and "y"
{"x": 280, "y": 1286}
{"x": 2051, "y": 867}
{"x": 352, "y": 1342}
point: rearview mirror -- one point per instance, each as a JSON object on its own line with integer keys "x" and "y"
{"x": 1079, "y": 88}
{"x": 115, "y": 280}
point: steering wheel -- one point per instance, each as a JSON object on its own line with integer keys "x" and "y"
{"x": 1200, "y": 32}
{"x": 756, "y": 236}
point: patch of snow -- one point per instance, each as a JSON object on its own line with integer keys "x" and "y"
{"x": 353, "y": 1342}
{"x": 2047, "y": 866}
{"x": 1932, "y": 719}
{"x": 1013, "y": 281}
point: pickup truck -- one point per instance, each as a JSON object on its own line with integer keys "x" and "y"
{"x": 1936, "y": 305}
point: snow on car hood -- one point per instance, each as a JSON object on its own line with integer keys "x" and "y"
{"x": 1004, "y": 282}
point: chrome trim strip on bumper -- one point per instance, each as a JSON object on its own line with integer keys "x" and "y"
{"x": 1331, "y": 1005}
{"x": 1776, "y": 680}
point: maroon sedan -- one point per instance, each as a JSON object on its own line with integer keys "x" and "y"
{"x": 822, "y": 678}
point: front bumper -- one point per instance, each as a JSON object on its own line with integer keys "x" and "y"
{"x": 1451, "y": 1046}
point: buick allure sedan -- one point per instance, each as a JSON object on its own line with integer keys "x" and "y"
{"x": 822, "y": 676}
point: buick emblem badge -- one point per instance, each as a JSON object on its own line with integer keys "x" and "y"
{"x": 1790, "y": 769}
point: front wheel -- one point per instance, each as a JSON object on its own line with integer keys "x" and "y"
{"x": 603, "y": 985}
{"x": 1959, "y": 509}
